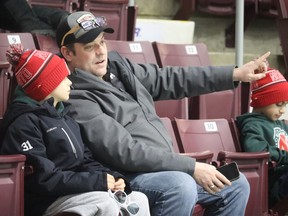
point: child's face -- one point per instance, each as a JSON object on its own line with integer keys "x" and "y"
{"x": 274, "y": 111}
{"x": 62, "y": 91}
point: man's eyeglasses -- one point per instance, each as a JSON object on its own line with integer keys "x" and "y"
{"x": 86, "y": 25}
{"x": 127, "y": 208}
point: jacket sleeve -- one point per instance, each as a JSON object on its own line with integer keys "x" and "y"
{"x": 117, "y": 142}
{"x": 24, "y": 137}
{"x": 89, "y": 165}
{"x": 254, "y": 139}
{"x": 178, "y": 82}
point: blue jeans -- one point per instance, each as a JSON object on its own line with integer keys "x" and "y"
{"x": 176, "y": 193}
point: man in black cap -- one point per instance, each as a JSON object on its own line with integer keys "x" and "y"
{"x": 112, "y": 100}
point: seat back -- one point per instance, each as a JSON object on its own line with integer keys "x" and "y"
{"x": 198, "y": 210}
{"x": 181, "y": 54}
{"x": 140, "y": 52}
{"x": 282, "y": 22}
{"x": 168, "y": 124}
{"x": 68, "y": 5}
{"x": 132, "y": 16}
{"x": 217, "y": 7}
{"x": 267, "y": 8}
{"x": 283, "y": 31}
{"x": 235, "y": 134}
{"x": 210, "y": 106}
{"x": 222, "y": 7}
{"x": 116, "y": 13}
{"x": 215, "y": 135}
{"x": 7, "y": 81}
{"x": 26, "y": 39}
{"x": 45, "y": 43}
{"x": 12, "y": 185}
{"x": 282, "y": 8}
{"x": 205, "y": 134}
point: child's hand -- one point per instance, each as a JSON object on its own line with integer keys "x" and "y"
{"x": 119, "y": 184}
{"x": 110, "y": 182}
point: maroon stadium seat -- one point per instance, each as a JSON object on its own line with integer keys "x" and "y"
{"x": 282, "y": 23}
{"x": 12, "y": 185}
{"x": 68, "y": 5}
{"x": 45, "y": 43}
{"x": 116, "y": 13}
{"x": 215, "y": 135}
{"x": 6, "y": 77}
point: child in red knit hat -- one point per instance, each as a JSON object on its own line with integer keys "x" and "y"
{"x": 66, "y": 178}
{"x": 262, "y": 130}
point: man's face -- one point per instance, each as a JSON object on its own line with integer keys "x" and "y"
{"x": 91, "y": 57}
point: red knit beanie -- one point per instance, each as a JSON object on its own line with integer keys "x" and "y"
{"x": 37, "y": 72}
{"x": 273, "y": 88}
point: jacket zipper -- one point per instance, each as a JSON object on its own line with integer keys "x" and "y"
{"x": 71, "y": 143}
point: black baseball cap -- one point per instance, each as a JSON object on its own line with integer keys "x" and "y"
{"x": 82, "y": 27}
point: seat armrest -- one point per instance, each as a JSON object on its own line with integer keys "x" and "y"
{"x": 204, "y": 156}
{"x": 12, "y": 158}
{"x": 226, "y": 155}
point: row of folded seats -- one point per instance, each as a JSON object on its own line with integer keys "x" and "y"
{"x": 198, "y": 127}
{"x": 228, "y": 8}
{"x": 119, "y": 14}
{"x": 206, "y": 106}
{"x": 265, "y": 8}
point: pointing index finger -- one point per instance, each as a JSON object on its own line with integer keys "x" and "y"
{"x": 263, "y": 57}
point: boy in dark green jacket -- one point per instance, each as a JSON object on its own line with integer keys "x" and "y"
{"x": 262, "y": 130}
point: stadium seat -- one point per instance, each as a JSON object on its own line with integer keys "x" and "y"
{"x": 9, "y": 38}
{"x": 12, "y": 185}
{"x": 204, "y": 156}
{"x": 11, "y": 166}
{"x": 283, "y": 31}
{"x": 282, "y": 23}
{"x": 139, "y": 52}
{"x": 4, "y": 86}
{"x": 217, "y": 7}
{"x": 6, "y": 77}
{"x": 45, "y": 43}
{"x": 267, "y": 8}
{"x": 215, "y": 135}
{"x": 68, "y": 5}
{"x": 132, "y": 16}
{"x": 181, "y": 54}
{"x": 185, "y": 10}
{"x": 116, "y": 13}
{"x": 282, "y": 9}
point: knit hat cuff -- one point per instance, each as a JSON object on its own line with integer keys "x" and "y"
{"x": 43, "y": 87}
{"x": 277, "y": 93}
